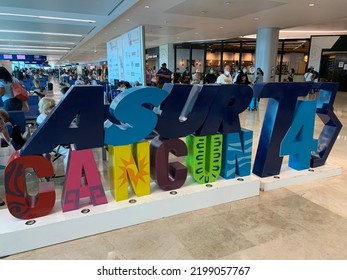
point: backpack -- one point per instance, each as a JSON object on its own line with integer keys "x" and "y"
{"x": 17, "y": 137}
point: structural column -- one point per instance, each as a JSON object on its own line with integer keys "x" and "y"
{"x": 266, "y": 51}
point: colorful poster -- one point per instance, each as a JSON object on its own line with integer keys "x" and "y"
{"x": 125, "y": 55}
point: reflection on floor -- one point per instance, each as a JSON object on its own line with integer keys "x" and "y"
{"x": 307, "y": 221}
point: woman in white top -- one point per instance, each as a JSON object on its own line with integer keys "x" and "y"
{"x": 10, "y": 102}
{"x": 46, "y": 105}
{"x": 225, "y": 78}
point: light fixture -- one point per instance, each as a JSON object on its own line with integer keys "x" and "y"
{"x": 227, "y": 3}
{"x": 43, "y": 47}
{"x": 221, "y": 27}
{"x": 47, "y": 17}
{"x": 314, "y": 31}
{"x": 128, "y": 19}
{"x": 311, "y": 4}
{"x": 41, "y": 33}
{"x": 147, "y": 7}
{"x": 37, "y": 41}
{"x": 256, "y": 18}
{"x": 33, "y": 50}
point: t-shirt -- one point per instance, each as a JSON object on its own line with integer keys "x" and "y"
{"x": 222, "y": 79}
{"x": 8, "y": 90}
{"x": 163, "y": 80}
{"x": 308, "y": 77}
{"x": 41, "y": 118}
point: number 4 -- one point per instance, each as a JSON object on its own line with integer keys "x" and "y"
{"x": 298, "y": 143}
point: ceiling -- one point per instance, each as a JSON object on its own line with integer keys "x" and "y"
{"x": 77, "y": 31}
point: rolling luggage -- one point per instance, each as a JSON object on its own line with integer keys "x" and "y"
{"x": 49, "y": 86}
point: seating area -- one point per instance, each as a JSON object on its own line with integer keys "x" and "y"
{"x": 33, "y": 113}
{"x": 28, "y": 83}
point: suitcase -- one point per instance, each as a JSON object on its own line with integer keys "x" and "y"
{"x": 49, "y": 86}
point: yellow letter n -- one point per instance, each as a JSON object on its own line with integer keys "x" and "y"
{"x": 129, "y": 164}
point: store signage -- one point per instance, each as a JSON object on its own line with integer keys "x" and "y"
{"x": 216, "y": 145}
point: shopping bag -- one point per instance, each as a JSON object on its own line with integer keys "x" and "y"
{"x": 5, "y": 154}
{"x": 19, "y": 91}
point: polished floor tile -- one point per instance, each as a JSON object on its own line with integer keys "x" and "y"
{"x": 303, "y": 221}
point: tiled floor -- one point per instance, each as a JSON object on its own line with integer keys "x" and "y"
{"x": 306, "y": 221}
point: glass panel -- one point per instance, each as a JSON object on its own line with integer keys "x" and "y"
{"x": 295, "y": 58}
{"x": 213, "y": 54}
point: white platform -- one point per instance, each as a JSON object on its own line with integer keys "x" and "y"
{"x": 290, "y": 176}
{"x": 57, "y": 227}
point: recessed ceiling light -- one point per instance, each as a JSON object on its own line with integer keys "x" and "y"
{"x": 37, "y": 41}
{"x": 36, "y": 47}
{"x": 221, "y": 27}
{"x": 128, "y": 19}
{"x": 256, "y": 18}
{"x": 33, "y": 50}
{"x": 227, "y": 3}
{"x": 42, "y": 33}
{"x": 47, "y": 17}
{"x": 311, "y": 4}
{"x": 147, "y": 7}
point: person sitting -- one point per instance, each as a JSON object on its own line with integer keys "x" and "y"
{"x": 79, "y": 81}
{"x": 186, "y": 76}
{"x": 12, "y": 133}
{"x": 46, "y": 105}
{"x": 5, "y": 127}
{"x": 127, "y": 85}
{"x": 37, "y": 88}
{"x": 210, "y": 77}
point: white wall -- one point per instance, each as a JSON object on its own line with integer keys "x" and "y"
{"x": 7, "y": 64}
{"x": 317, "y": 44}
{"x": 166, "y": 55}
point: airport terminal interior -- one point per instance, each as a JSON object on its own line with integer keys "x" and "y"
{"x": 301, "y": 221}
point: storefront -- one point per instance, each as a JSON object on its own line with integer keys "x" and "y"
{"x": 241, "y": 53}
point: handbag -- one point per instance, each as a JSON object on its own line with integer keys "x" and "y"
{"x": 19, "y": 91}
{"x": 5, "y": 153}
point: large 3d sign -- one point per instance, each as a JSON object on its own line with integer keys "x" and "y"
{"x": 206, "y": 117}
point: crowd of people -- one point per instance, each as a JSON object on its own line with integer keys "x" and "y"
{"x": 227, "y": 76}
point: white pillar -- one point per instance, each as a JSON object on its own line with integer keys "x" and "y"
{"x": 166, "y": 55}
{"x": 7, "y": 64}
{"x": 266, "y": 51}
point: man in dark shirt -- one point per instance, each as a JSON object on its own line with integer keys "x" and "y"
{"x": 164, "y": 75}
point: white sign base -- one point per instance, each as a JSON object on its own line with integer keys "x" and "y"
{"x": 16, "y": 236}
{"x": 290, "y": 176}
